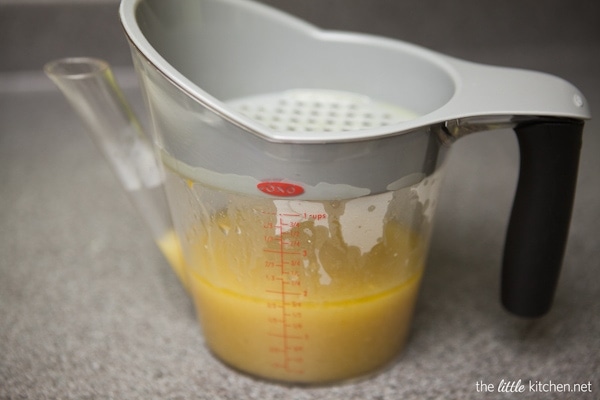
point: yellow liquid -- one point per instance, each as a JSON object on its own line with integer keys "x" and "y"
{"x": 285, "y": 323}
{"x": 320, "y": 341}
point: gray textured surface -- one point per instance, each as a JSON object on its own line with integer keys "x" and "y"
{"x": 89, "y": 309}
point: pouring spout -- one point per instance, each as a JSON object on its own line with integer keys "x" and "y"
{"x": 91, "y": 89}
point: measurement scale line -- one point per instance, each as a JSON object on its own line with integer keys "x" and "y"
{"x": 285, "y": 243}
{"x": 284, "y": 303}
{"x": 281, "y": 214}
{"x": 293, "y": 253}
{"x": 284, "y": 326}
{"x": 279, "y": 335}
{"x": 286, "y": 252}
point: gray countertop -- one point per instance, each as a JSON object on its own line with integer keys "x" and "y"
{"x": 90, "y": 309}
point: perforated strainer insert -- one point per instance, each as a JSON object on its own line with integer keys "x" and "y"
{"x": 315, "y": 110}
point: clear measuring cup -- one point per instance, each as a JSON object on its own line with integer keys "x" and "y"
{"x": 291, "y": 282}
{"x": 301, "y": 169}
{"x": 304, "y": 291}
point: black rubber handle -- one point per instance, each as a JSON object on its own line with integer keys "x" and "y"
{"x": 539, "y": 223}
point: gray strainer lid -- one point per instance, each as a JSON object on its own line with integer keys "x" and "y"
{"x": 218, "y": 79}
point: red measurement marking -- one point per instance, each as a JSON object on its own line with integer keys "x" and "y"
{"x": 284, "y": 252}
{"x": 287, "y": 336}
{"x": 293, "y": 253}
{"x": 284, "y": 293}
